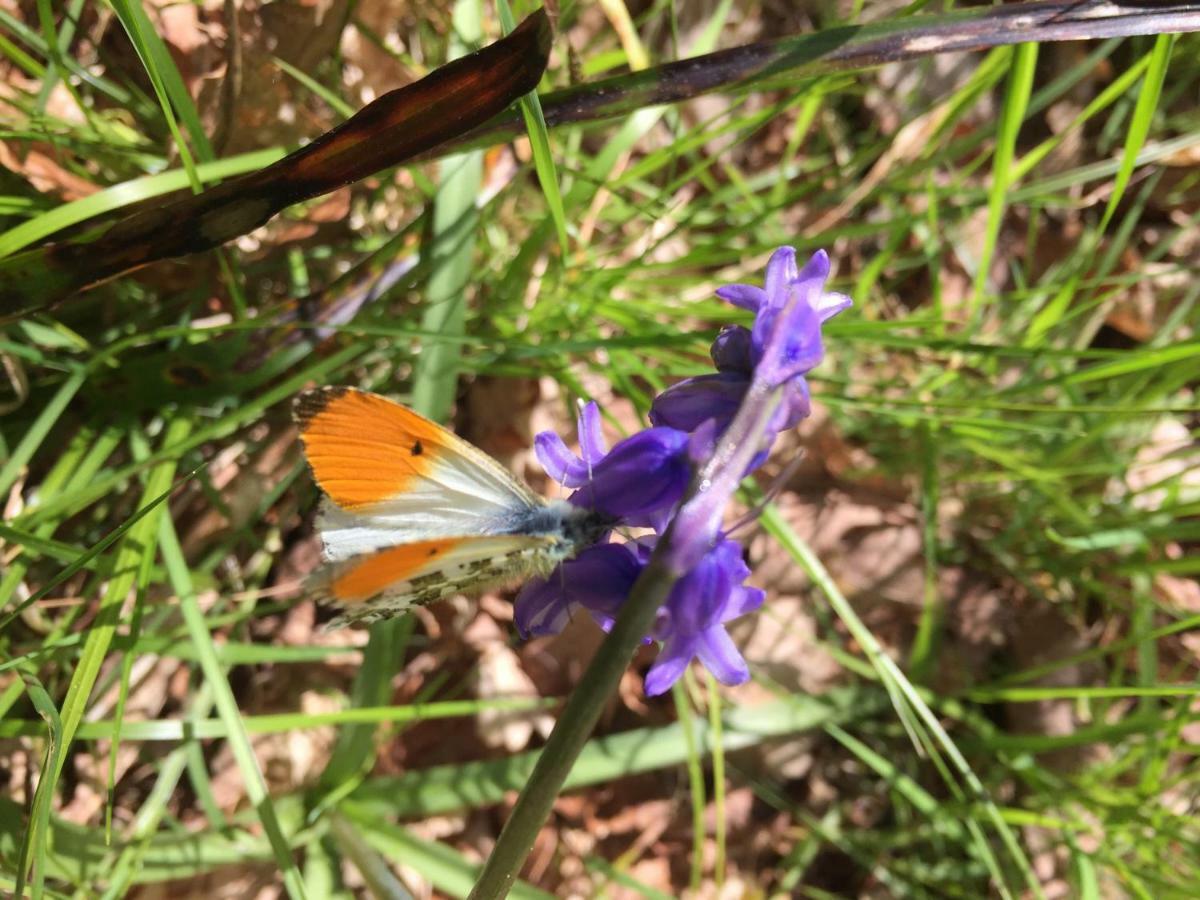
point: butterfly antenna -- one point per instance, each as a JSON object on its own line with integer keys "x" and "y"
{"x": 587, "y": 457}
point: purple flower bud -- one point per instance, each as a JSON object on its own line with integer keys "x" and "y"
{"x": 733, "y": 350}
{"x": 635, "y": 483}
{"x": 597, "y": 580}
{"x": 646, "y": 472}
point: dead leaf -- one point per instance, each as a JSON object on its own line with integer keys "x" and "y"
{"x": 498, "y": 675}
{"x": 45, "y": 174}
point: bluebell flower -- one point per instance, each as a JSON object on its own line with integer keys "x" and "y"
{"x": 690, "y": 624}
{"x": 635, "y": 483}
{"x": 737, "y": 351}
{"x": 713, "y": 428}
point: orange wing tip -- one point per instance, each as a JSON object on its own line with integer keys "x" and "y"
{"x": 310, "y": 404}
{"x": 365, "y": 449}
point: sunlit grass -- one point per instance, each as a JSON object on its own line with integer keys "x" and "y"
{"x": 978, "y": 371}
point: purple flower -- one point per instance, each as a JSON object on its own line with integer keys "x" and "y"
{"x": 597, "y": 580}
{"x": 690, "y": 624}
{"x": 786, "y": 343}
{"x": 693, "y": 401}
{"x": 721, "y": 425}
{"x": 738, "y": 352}
{"x": 641, "y": 478}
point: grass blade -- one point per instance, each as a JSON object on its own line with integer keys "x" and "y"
{"x": 138, "y": 542}
{"x": 227, "y": 708}
{"x": 1139, "y": 125}
{"x": 1016, "y": 101}
{"x": 33, "y": 851}
{"x": 902, "y": 692}
{"x": 539, "y": 142}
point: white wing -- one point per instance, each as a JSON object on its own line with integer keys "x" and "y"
{"x": 393, "y": 477}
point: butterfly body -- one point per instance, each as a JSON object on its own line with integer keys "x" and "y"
{"x": 413, "y": 513}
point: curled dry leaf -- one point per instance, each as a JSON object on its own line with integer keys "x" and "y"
{"x": 499, "y": 675}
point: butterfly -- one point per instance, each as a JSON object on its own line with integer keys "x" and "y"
{"x": 413, "y": 513}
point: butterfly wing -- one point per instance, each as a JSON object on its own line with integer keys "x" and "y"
{"x": 390, "y": 582}
{"x": 393, "y": 477}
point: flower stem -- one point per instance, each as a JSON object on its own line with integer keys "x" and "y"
{"x": 573, "y": 729}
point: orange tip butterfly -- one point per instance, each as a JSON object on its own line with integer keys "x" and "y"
{"x": 412, "y": 513}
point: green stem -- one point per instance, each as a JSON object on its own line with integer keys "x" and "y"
{"x": 574, "y": 728}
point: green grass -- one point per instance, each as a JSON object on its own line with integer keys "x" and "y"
{"x": 980, "y": 382}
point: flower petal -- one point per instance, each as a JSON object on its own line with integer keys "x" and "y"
{"x": 830, "y": 303}
{"x": 815, "y": 270}
{"x": 693, "y": 401}
{"x": 781, "y": 272}
{"x": 703, "y": 441}
{"x": 559, "y": 462}
{"x": 697, "y": 598}
{"x": 798, "y": 330}
{"x": 670, "y": 665}
{"x": 742, "y": 600}
{"x": 600, "y": 577}
{"x": 747, "y": 296}
{"x": 720, "y": 656}
{"x": 644, "y": 473}
{"x": 592, "y": 445}
{"x": 796, "y": 405}
{"x": 541, "y": 607}
{"x": 597, "y": 580}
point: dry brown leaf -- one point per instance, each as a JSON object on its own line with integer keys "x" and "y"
{"x": 1166, "y": 466}
{"x": 499, "y": 675}
{"x": 45, "y": 174}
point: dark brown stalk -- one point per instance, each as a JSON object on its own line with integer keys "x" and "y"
{"x": 450, "y": 111}
{"x": 841, "y": 49}
{"x": 397, "y": 127}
